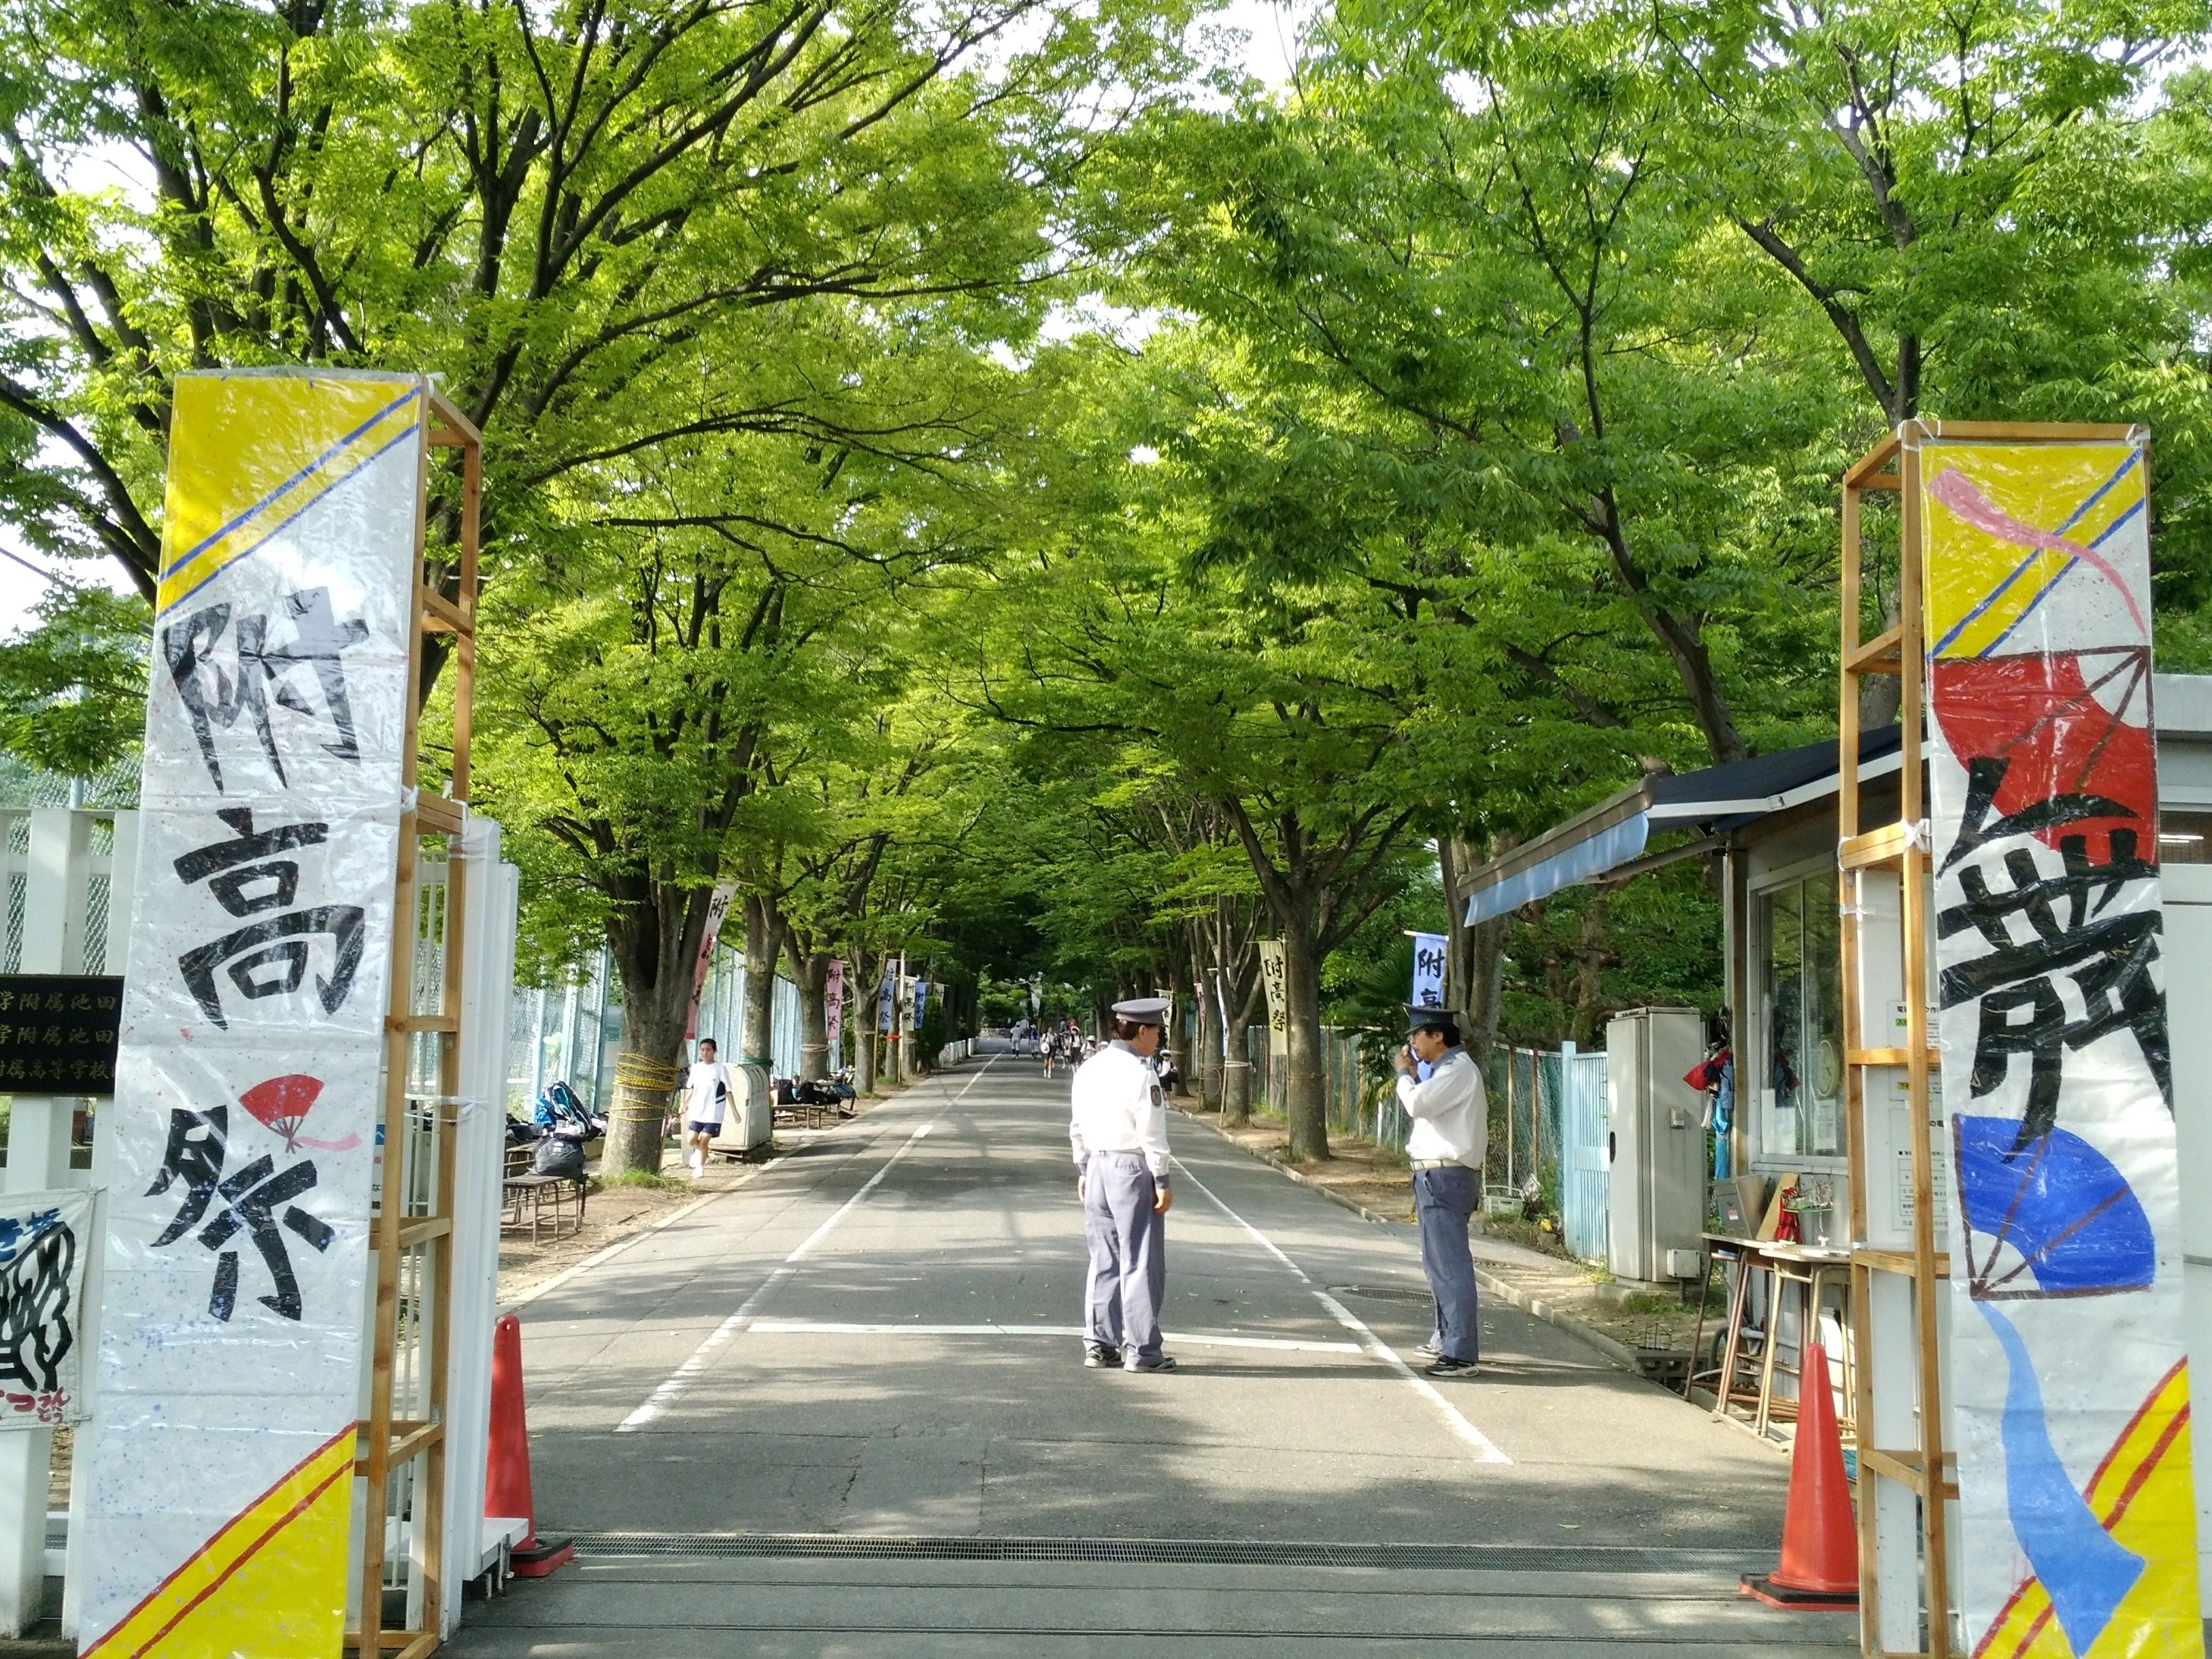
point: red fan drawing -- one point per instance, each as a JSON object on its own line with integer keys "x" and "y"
{"x": 283, "y": 1102}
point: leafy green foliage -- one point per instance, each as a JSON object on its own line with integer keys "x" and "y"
{"x": 73, "y": 686}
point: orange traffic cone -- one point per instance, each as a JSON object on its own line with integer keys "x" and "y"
{"x": 1819, "y": 1565}
{"x": 506, "y": 1462}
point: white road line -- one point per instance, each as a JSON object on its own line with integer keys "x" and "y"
{"x": 671, "y": 1390}
{"x": 838, "y": 1327}
{"x": 1485, "y": 1451}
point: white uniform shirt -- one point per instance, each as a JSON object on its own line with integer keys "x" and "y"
{"x": 1117, "y": 1108}
{"x": 703, "y": 1099}
{"x": 1450, "y": 1112}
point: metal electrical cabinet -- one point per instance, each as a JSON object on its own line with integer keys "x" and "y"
{"x": 1656, "y": 1142}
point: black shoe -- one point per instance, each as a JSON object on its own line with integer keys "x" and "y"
{"x": 1097, "y": 1356}
{"x": 1429, "y": 1351}
{"x": 1448, "y": 1367}
{"x": 1165, "y": 1363}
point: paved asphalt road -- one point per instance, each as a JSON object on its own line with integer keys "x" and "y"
{"x": 842, "y": 1411}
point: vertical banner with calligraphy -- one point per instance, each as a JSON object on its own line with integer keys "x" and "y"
{"x": 887, "y": 999}
{"x": 2070, "y": 1385}
{"x": 1428, "y": 970}
{"x": 718, "y": 911}
{"x": 248, "y": 1089}
{"x": 833, "y": 1007}
{"x": 1273, "y": 975}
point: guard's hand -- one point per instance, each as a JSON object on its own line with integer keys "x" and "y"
{"x": 1081, "y": 1193}
{"x": 1403, "y": 1059}
{"x": 1163, "y": 1199}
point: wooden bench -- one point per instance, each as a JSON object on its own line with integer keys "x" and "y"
{"x": 525, "y": 1197}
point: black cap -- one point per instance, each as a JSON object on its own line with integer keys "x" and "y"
{"x": 1429, "y": 1017}
{"x": 1143, "y": 1011}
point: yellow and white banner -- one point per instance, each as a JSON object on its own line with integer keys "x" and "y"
{"x": 220, "y": 1451}
{"x": 2070, "y": 1397}
{"x": 1275, "y": 976}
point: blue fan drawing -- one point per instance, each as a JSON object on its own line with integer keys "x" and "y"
{"x": 2054, "y": 1219}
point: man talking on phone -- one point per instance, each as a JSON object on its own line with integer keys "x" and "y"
{"x": 1450, "y": 1115}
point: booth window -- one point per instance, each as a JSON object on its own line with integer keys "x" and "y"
{"x": 1800, "y": 1088}
{"x": 2185, "y": 837}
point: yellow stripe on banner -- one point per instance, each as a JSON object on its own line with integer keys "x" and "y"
{"x": 248, "y": 453}
{"x": 2145, "y": 1498}
{"x": 1994, "y": 513}
{"x": 270, "y": 1585}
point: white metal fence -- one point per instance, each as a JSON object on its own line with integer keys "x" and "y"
{"x": 571, "y": 1032}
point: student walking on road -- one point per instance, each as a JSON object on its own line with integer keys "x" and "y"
{"x": 706, "y": 1093}
{"x": 1446, "y": 1147}
{"x": 1118, "y": 1129}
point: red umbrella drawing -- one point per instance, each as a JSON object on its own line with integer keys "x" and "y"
{"x": 283, "y": 1103}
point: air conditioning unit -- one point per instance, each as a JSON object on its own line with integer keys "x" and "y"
{"x": 1655, "y": 1198}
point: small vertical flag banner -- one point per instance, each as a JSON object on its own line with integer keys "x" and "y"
{"x": 2070, "y": 1382}
{"x": 1428, "y": 970}
{"x": 219, "y": 1453}
{"x": 1272, "y": 974}
{"x": 833, "y": 1005}
{"x": 718, "y": 912}
{"x": 887, "y": 999}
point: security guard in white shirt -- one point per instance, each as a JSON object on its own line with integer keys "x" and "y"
{"x": 1118, "y": 1130}
{"x": 1446, "y": 1147}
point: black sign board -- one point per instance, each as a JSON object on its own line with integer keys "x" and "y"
{"x": 58, "y": 1033}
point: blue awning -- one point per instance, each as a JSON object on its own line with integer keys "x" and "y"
{"x": 1582, "y": 860}
{"x": 1717, "y": 800}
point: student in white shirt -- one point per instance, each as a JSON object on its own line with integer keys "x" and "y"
{"x": 1450, "y": 1115}
{"x": 706, "y": 1092}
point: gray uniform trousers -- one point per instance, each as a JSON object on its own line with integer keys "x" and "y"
{"x": 1445, "y": 1200}
{"x": 1129, "y": 1277}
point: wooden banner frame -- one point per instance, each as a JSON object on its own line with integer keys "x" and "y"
{"x": 412, "y": 1226}
{"x": 1925, "y": 1469}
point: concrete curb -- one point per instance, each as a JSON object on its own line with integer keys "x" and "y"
{"x": 1615, "y": 1349}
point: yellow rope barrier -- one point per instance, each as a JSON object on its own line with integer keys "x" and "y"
{"x": 642, "y": 1087}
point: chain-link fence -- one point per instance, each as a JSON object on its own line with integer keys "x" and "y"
{"x": 1553, "y": 1120}
{"x": 1360, "y": 1101}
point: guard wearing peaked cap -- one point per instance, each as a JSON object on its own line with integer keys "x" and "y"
{"x": 1450, "y": 1132}
{"x": 1118, "y": 1130}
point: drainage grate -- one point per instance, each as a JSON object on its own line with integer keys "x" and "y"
{"x": 1208, "y": 1552}
{"x": 1411, "y": 1293}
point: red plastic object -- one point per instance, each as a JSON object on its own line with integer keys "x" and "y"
{"x": 1819, "y": 1565}
{"x": 506, "y": 1461}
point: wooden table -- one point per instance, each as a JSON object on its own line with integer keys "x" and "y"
{"x": 1808, "y": 1266}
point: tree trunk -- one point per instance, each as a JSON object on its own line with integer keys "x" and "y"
{"x": 763, "y": 930}
{"x": 1305, "y": 1096}
{"x": 647, "y": 1072}
{"x": 1179, "y": 1033}
{"x": 654, "y": 941}
{"x": 1474, "y": 978}
{"x": 1209, "y": 1045}
{"x": 814, "y": 977}
{"x": 861, "y": 1019}
{"x": 1236, "y": 1073}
